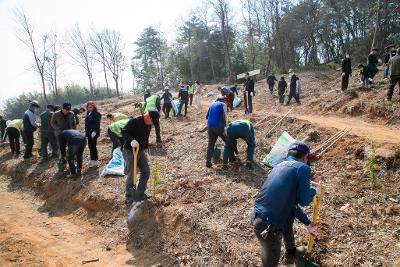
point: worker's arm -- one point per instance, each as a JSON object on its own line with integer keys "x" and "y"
{"x": 305, "y": 193}
{"x": 302, "y": 216}
{"x": 208, "y": 112}
{"x": 127, "y": 130}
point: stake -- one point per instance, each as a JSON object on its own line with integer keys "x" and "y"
{"x": 334, "y": 142}
{"x": 287, "y": 113}
{"x": 317, "y": 203}
{"x": 321, "y": 146}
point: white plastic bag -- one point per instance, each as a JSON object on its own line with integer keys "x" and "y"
{"x": 175, "y": 105}
{"x": 116, "y": 165}
{"x": 279, "y": 151}
{"x": 236, "y": 102}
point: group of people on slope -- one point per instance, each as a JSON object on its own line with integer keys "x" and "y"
{"x": 294, "y": 87}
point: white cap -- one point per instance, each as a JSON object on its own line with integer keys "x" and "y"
{"x": 166, "y": 88}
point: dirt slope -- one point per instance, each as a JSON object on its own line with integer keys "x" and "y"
{"x": 200, "y": 216}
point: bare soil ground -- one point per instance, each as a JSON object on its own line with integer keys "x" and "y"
{"x": 200, "y": 216}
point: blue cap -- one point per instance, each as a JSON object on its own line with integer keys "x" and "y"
{"x": 300, "y": 146}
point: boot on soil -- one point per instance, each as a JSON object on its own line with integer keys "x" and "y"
{"x": 140, "y": 196}
{"x": 209, "y": 164}
{"x": 130, "y": 196}
{"x": 249, "y": 165}
{"x": 94, "y": 163}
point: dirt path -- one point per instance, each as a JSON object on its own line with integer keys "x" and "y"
{"x": 31, "y": 238}
{"x": 382, "y": 135}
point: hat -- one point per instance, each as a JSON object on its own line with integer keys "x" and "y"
{"x": 154, "y": 115}
{"x": 34, "y": 103}
{"x": 300, "y": 146}
{"x": 166, "y": 88}
{"x": 66, "y": 106}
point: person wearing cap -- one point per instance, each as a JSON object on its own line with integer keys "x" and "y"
{"x": 153, "y": 104}
{"x": 271, "y": 79}
{"x": 248, "y": 90}
{"x": 183, "y": 96}
{"x": 394, "y": 72}
{"x": 75, "y": 141}
{"x": 282, "y": 86}
{"x": 167, "y": 102}
{"x": 92, "y": 130}
{"x": 14, "y": 130}
{"x": 136, "y": 134}
{"x": 346, "y": 71}
{"x": 47, "y": 133}
{"x": 242, "y": 129}
{"x": 63, "y": 119}
{"x": 30, "y": 126}
{"x": 3, "y": 126}
{"x": 216, "y": 122}
{"x": 190, "y": 92}
{"x": 294, "y": 88}
{"x": 228, "y": 92}
{"x": 116, "y": 116}
{"x": 197, "y": 94}
{"x": 146, "y": 93}
{"x": 280, "y": 200}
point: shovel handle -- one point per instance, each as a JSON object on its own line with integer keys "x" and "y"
{"x": 135, "y": 151}
{"x": 317, "y": 203}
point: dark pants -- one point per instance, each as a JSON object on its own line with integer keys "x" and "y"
{"x": 183, "y": 102}
{"x": 190, "y": 99}
{"x": 394, "y": 79}
{"x": 230, "y": 148}
{"x": 48, "y": 138}
{"x": 92, "y": 143}
{"x": 271, "y": 87}
{"x": 75, "y": 151}
{"x": 143, "y": 166}
{"x": 293, "y": 94}
{"x": 250, "y": 103}
{"x": 115, "y": 139}
{"x": 2, "y": 134}
{"x": 28, "y": 136}
{"x": 270, "y": 243}
{"x": 213, "y": 134}
{"x": 345, "y": 82}
{"x": 158, "y": 130}
{"x": 231, "y": 98}
{"x": 166, "y": 109}
{"x": 13, "y": 138}
{"x": 281, "y": 95}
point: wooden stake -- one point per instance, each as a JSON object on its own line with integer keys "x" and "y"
{"x": 317, "y": 203}
{"x": 287, "y": 113}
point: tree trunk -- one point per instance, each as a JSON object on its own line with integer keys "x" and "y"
{"x": 116, "y": 84}
{"x": 105, "y": 78}
{"x": 377, "y": 25}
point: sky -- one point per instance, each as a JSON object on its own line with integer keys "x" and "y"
{"x": 129, "y": 17}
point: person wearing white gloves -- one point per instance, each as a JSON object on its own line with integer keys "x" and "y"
{"x": 136, "y": 133}
{"x": 92, "y": 129}
{"x": 280, "y": 200}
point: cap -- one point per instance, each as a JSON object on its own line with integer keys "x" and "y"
{"x": 66, "y": 106}
{"x": 300, "y": 146}
{"x": 166, "y": 88}
{"x": 34, "y": 103}
{"x": 154, "y": 115}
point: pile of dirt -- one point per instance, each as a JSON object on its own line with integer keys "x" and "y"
{"x": 200, "y": 216}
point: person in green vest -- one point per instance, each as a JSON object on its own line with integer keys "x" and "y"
{"x": 191, "y": 92}
{"x": 114, "y": 132}
{"x": 153, "y": 104}
{"x": 14, "y": 130}
{"x": 239, "y": 129}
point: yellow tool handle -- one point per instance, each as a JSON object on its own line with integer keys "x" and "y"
{"x": 135, "y": 151}
{"x": 317, "y": 203}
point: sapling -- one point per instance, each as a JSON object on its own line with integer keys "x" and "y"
{"x": 372, "y": 165}
{"x": 156, "y": 180}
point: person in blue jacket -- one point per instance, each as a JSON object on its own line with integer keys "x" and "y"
{"x": 216, "y": 122}
{"x": 92, "y": 130}
{"x": 279, "y": 202}
{"x": 239, "y": 129}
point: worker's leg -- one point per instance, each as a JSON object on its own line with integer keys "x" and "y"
{"x": 270, "y": 242}
{"x": 79, "y": 157}
{"x": 29, "y": 144}
{"x": 288, "y": 238}
{"x": 143, "y": 166}
{"x": 186, "y": 107}
{"x": 271, "y": 88}
{"x": 228, "y": 151}
{"x": 250, "y": 100}
{"x": 12, "y": 139}
{"x": 297, "y": 98}
{"x": 17, "y": 144}
{"x": 45, "y": 142}
{"x": 158, "y": 130}
{"x": 289, "y": 97}
{"x": 394, "y": 79}
{"x": 114, "y": 139}
{"x": 128, "y": 157}
{"x": 212, "y": 138}
{"x": 164, "y": 108}
{"x": 180, "y": 108}
{"x": 345, "y": 82}
{"x": 168, "y": 109}
{"x": 251, "y": 145}
{"x": 231, "y": 98}
{"x": 191, "y": 99}
{"x": 92, "y": 143}
{"x": 54, "y": 145}
{"x": 72, "y": 151}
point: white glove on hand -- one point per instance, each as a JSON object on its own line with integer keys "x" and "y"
{"x": 343, "y": 74}
{"x": 93, "y": 134}
{"x": 134, "y": 143}
{"x": 312, "y": 228}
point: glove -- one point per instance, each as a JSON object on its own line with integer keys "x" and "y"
{"x": 93, "y": 135}
{"x": 312, "y": 228}
{"x": 134, "y": 143}
{"x": 343, "y": 74}
{"x": 317, "y": 186}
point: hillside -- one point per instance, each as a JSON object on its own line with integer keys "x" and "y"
{"x": 200, "y": 216}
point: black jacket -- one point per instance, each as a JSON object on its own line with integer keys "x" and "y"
{"x": 3, "y": 125}
{"x": 346, "y": 66}
{"x": 282, "y": 85}
{"x": 249, "y": 86}
{"x": 167, "y": 97}
{"x": 70, "y": 138}
{"x": 372, "y": 59}
{"x": 27, "y": 120}
{"x": 183, "y": 94}
{"x": 293, "y": 81}
{"x": 92, "y": 123}
{"x": 138, "y": 130}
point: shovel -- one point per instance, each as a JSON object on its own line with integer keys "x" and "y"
{"x": 135, "y": 151}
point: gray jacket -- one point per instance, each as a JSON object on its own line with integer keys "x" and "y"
{"x": 45, "y": 120}
{"x": 61, "y": 122}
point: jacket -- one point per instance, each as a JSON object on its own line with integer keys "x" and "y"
{"x": 394, "y": 65}
{"x": 71, "y": 138}
{"x": 61, "y": 122}
{"x": 346, "y": 66}
{"x": 92, "y": 123}
{"x": 293, "y": 83}
{"x": 183, "y": 94}
{"x": 137, "y": 130}
{"x": 45, "y": 119}
{"x": 167, "y": 97}
{"x": 191, "y": 89}
{"x": 271, "y": 79}
{"x": 285, "y": 190}
{"x": 282, "y": 85}
{"x": 29, "y": 121}
{"x": 216, "y": 115}
{"x": 249, "y": 86}
{"x": 17, "y": 124}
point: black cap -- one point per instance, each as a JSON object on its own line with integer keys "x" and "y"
{"x": 300, "y": 146}
{"x": 154, "y": 115}
{"x": 66, "y": 106}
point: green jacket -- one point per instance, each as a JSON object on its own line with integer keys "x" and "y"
{"x": 394, "y": 65}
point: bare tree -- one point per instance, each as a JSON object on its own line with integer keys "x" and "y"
{"x": 81, "y": 53}
{"x": 97, "y": 42}
{"x": 26, "y": 35}
{"x": 52, "y": 63}
{"x": 115, "y": 60}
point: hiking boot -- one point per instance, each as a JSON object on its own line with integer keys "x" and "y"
{"x": 140, "y": 196}
{"x": 225, "y": 167}
{"x": 208, "y": 164}
{"x": 93, "y": 163}
{"x": 290, "y": 257}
